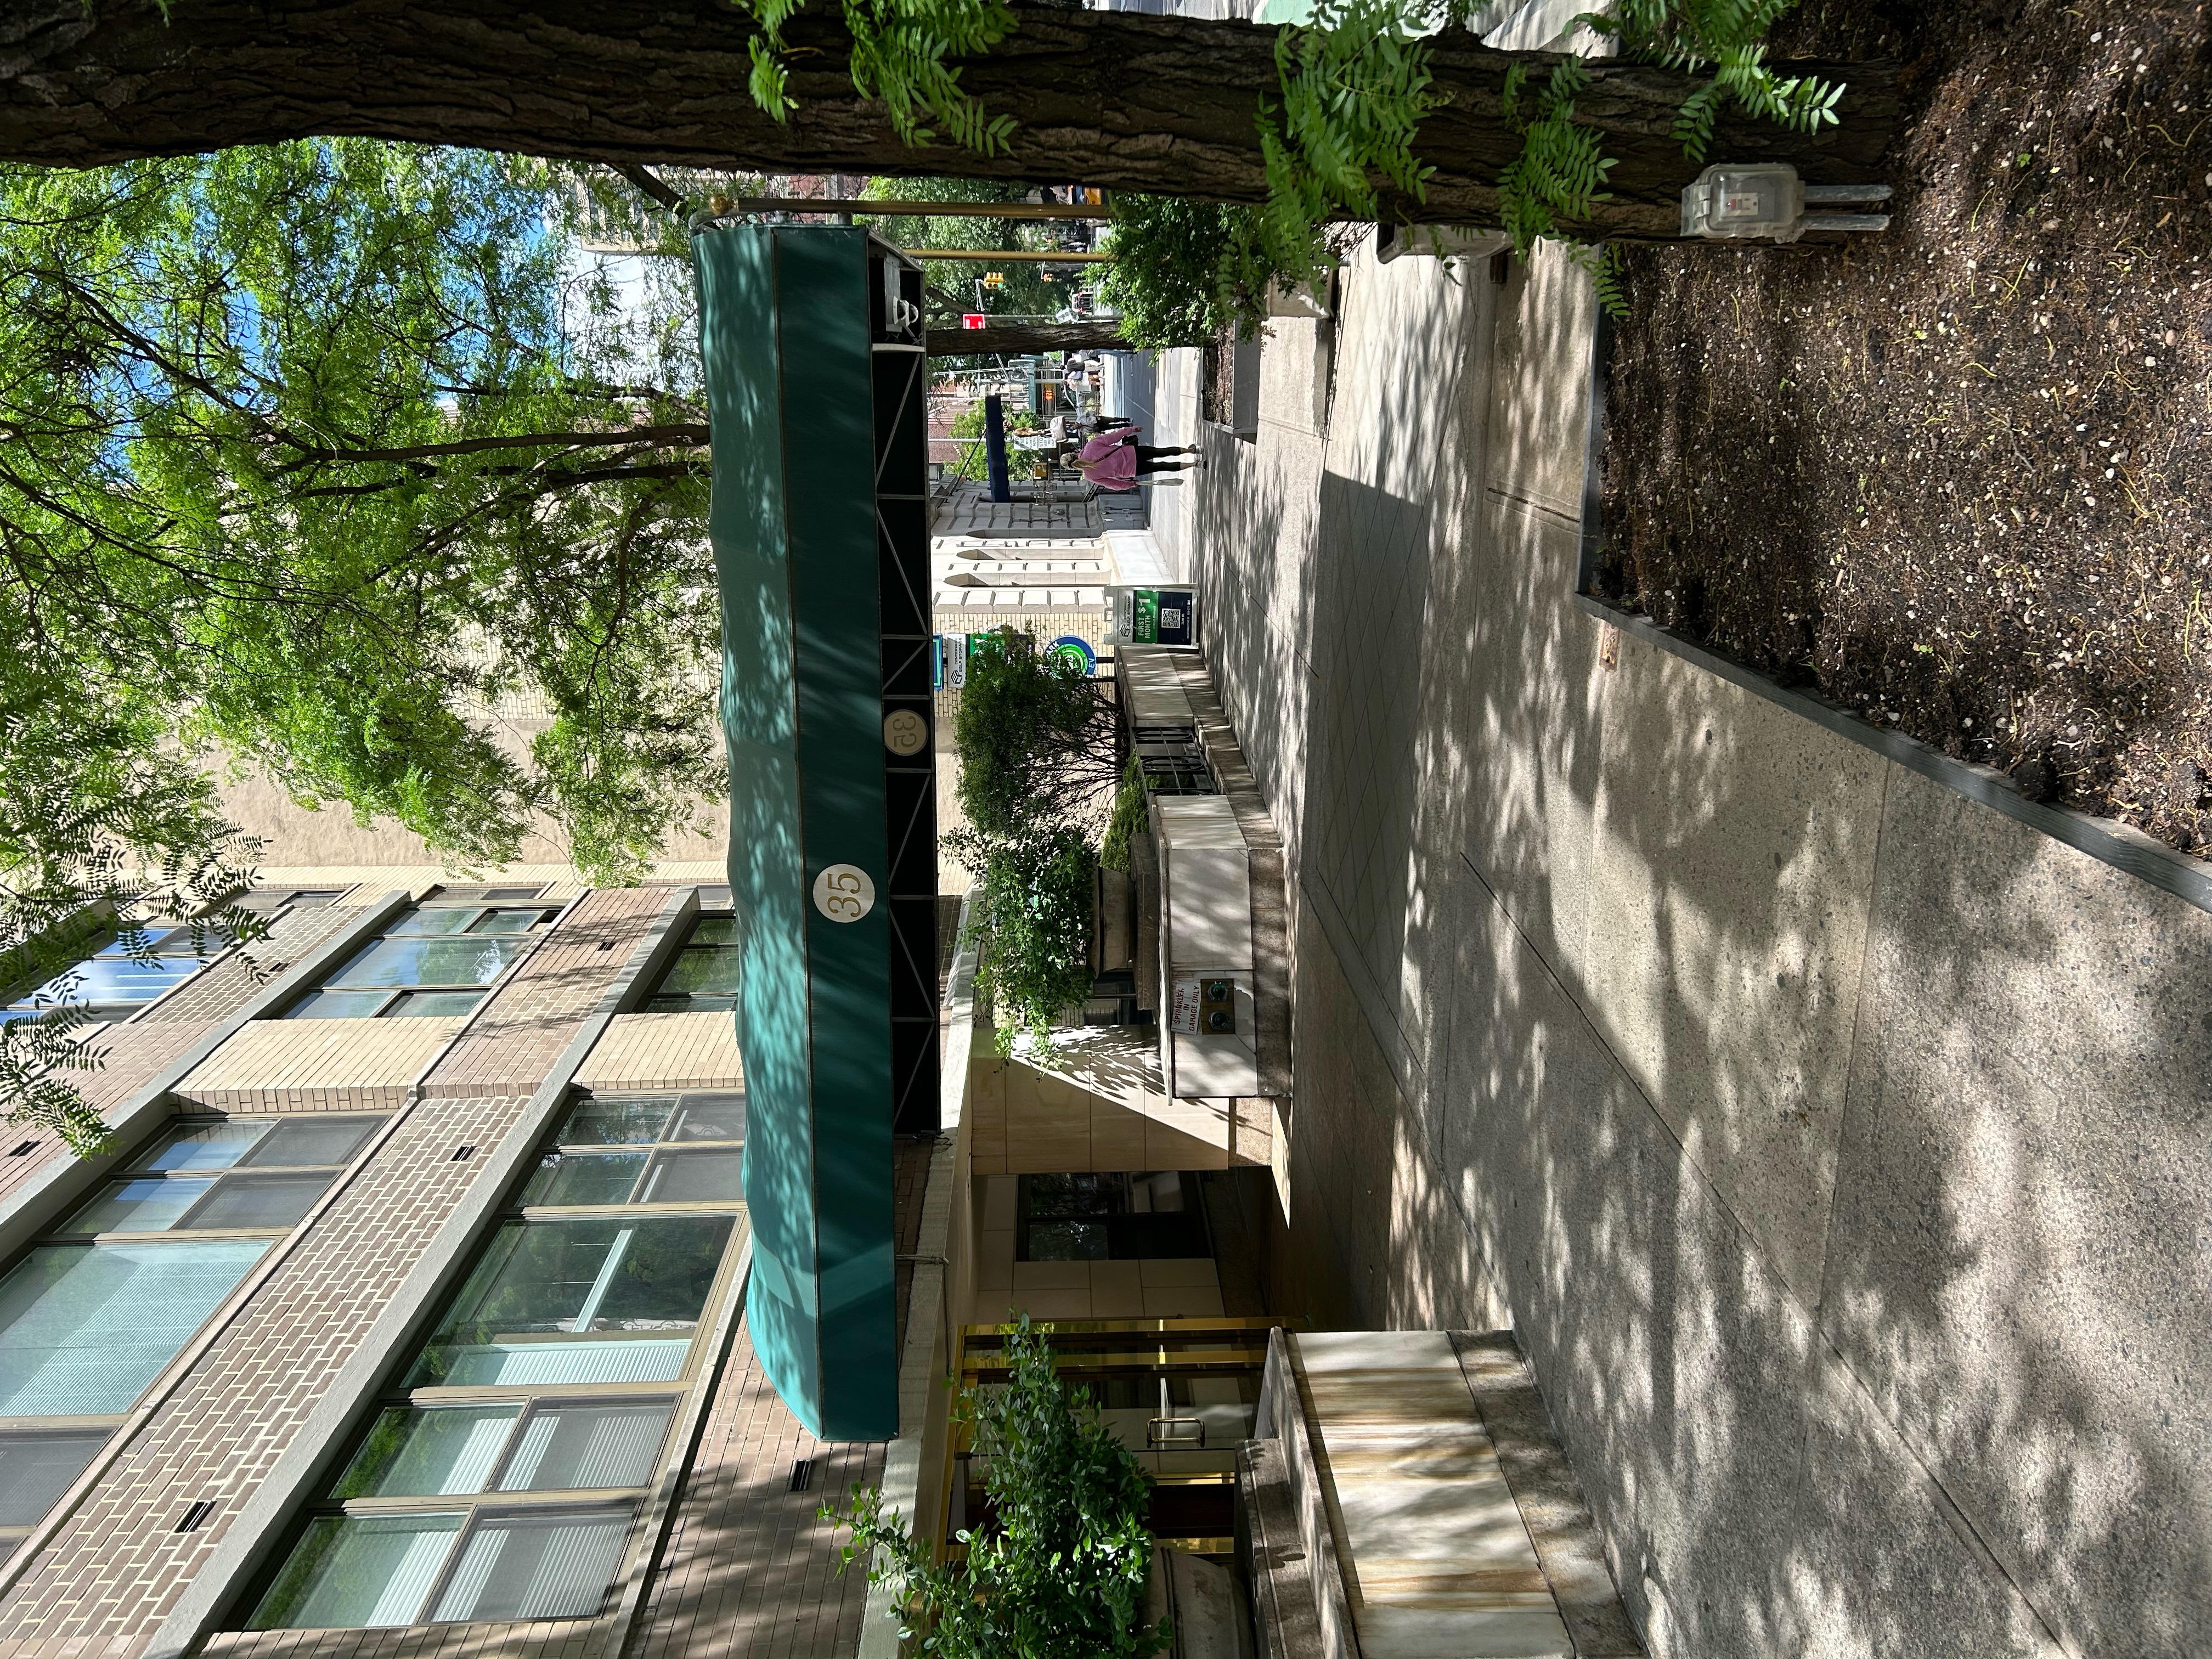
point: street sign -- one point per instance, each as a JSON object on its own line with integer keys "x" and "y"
{"x": 974, "y": 320}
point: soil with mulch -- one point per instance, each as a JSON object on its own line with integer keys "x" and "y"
{"x": 1958, "y": 474}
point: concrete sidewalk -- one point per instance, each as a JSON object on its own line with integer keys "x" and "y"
{"x": 1838, "y": 1148}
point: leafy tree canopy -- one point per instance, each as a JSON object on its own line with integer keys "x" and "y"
{"x": 1036, "y": 743}
{"x": 318, "y": 459}
{"x": 318, "y": 454}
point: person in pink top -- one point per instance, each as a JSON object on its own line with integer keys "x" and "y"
{"x": 1115, "y": 459}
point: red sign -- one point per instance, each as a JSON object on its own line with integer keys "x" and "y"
{"x": 972, "y": 320}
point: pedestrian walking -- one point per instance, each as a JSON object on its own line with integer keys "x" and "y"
{"x": 1115, "y": 460}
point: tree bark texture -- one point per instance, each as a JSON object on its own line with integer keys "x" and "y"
{"x": 1012, "y": 339}
{"x": 1163, "y": 104}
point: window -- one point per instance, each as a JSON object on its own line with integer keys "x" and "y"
{"x": 91, "y": 1313}
{"x": 703, "y": 974}
{"x": 36, "y": 1469}
{"x": 238, "y": 1173}
{"x": 503, "y": 1479}
{"x": 438, "y": 958}
{"x": 269, "y": 899}
{"x": 136, "y": 965}
{"x": 1109, "y": 1218}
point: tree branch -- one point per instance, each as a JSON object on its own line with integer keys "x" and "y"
{"x": 1164, "y": 105}
{"x": 644, "y": 179}
{"x": 689, "y": 434}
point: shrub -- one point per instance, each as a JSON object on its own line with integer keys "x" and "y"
{"x": 1059, "y": 1571}
{"x": 1132, "y": 816}
{"x": 1033, "y": 897}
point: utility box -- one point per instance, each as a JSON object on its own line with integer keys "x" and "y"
{"x": 1209, "y": 1045}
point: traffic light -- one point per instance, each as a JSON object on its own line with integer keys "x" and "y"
{"x": 994, "y": 279}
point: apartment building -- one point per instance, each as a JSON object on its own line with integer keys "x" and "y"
{"x": 405, "y": 1315}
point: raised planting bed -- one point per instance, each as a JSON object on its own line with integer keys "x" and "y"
{"x": 1957, "y": 477}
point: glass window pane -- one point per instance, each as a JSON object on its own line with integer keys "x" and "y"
{"x": 436, "y": 921}
{"x": 612, "y": 1123}
{"x": 711, "y": 1117}
{"x": 713, "y": 930}
{"x": 569, "y": 1448}
{"x": 116, "y": 979}
{"x": 180, "y": 942}
{"x": 421, "y": 1005}
{"x": 695, "y": 1178}
{"x": 35, "y": 1469}
{"x": 1156, "y": 1193}
{"x": 138, "y": 1206}
{"x": 169, "y": 940}
{"x": 207, "y": 1146}
{"x": 313, "y": 1141}
{"x": 536, "y": 1567}
{"x": 572, "y": 1276}
{"x": 246, "y": 1202}
{"x": 508, "y": 922}
{"x": 551, "y": 1275}
{"x": 128, "y": 940}
{"x": 523, "y": 1365}
{"x": 584, "y": 1178}
{"x": 664, "y": 1276}
{"x": 433, "y": 1452}
{"x": 1068, "y": 1240}
{"x": 710, "y": 971}
{"x": 84, "y": 1328}
{"x": 1073, "y": 1195}
{"x": 349, "y": 1571}
{"x": 431, "y": 961}
{"x": 338, "y": 1005}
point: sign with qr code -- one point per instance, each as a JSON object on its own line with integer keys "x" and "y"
{"x": 1151, "y": 616}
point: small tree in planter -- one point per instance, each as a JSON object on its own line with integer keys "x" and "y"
{"x": 1036, "y": 763}
{"x": 1059, "y": 1571}
{"x": 1036, "y": 738}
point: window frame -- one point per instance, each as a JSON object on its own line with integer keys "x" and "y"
{"x": 713, "y": 1002}
{"x": 687, "y": 1393}
{"x": 392, "y": 996}
{"x": 112, "y": 1011}
{"x": 17, "y": 1428}
{"x": 238, "y": 1170}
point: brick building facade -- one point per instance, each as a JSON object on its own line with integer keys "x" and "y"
{"x": 175, "y": 1518}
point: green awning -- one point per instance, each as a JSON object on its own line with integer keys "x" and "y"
{"x": 815, "y": 387}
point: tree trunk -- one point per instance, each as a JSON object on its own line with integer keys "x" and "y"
{"x": 1012, "y": 339}
{"x": 1163, "y": 104}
